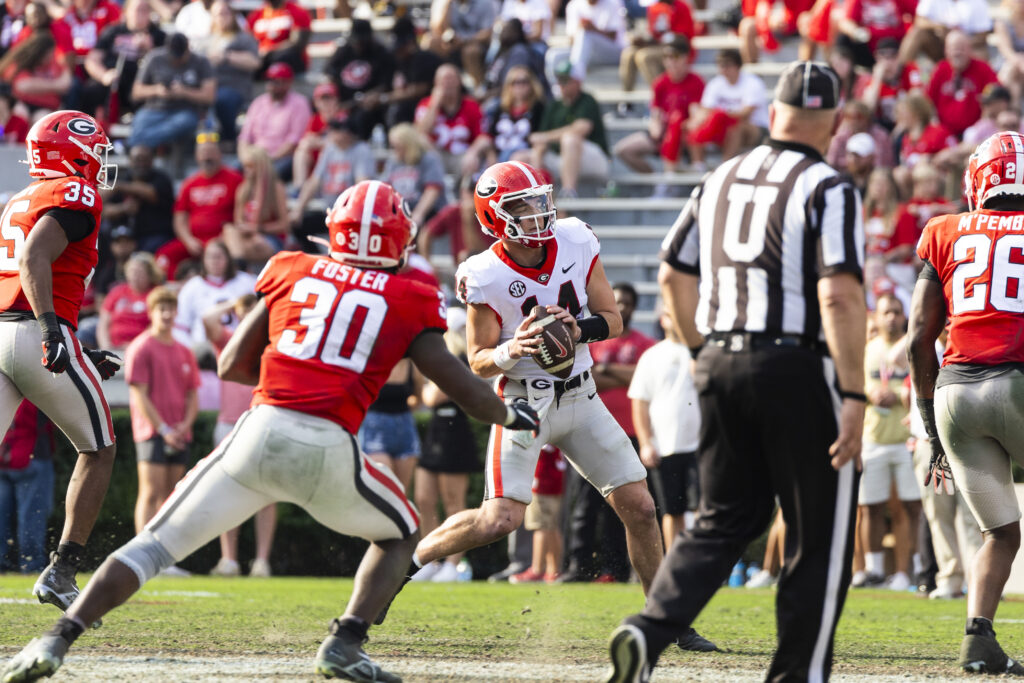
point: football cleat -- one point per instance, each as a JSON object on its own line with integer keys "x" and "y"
{"x": 341, "y": 656}
{"x": 57, "y": 586}
{"x": 39, "y": 659}
{"x": 692, "y": 641}
{"x": 981, "y": 654}
{"x": 628, "y": 650}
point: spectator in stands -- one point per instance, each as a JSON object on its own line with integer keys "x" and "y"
{"x": 862, "y": 24}
{"x": 173, "y": 87}
{"x": 234, "y": 55}
{"x": 764, "y": 25}
{"x": 261, "y": 210}
{"x": 234, "y": 400}
{"x": 388, "y": 434}
{"x": 276, "y": 120}
{"x": 513, "y": 50}
{"x": 666, "y": 417}
{"x": 1009, "y": 40}
{"x": 857, "y": 119}
{"x": 890, "y": 80}
{"x": 597, "y": 34}
{"x": 957, "y": 83}
{"x": 362, "y": 70}
{"x": 732, "y": 113}
{"x": 12, "y": 21}
{"x": 926, "y": 202}
{"x": 37, "y": 79}
{"x": 920, "y": 137}
{"x": 218, "y": 280}
{"x": 325, "y": 108}
{"x": 451, "y": 120}
{"x": 115, "y": 250}
{"x": 885, "y": 456}
{"x": 536, "y": 18}
{"x": 667, "y": 20}
{"x": 39, "y": 20}
{"x": 935, "y": 20}
{"x": 543, "y": 517}
{"x": 205, "y": 205}
{"x": 460, "y": 31}
{"x": 344, "y": 161}
{"x": 142, "y": 200}
{"x": 124, "y": 315}
{"x": 861, "y": 154}
{"x": 995, "y": 99}
{"x": 413, "y": 76}
{"x": 416, "y": 172}
{"x": 113, "y": 64}
{"x": 841, "y": 60}
{"x": 13, "y": 125}
{"x": 162, "y": 377}
{"x": 675, "y": 92}
{"x": 881, "y": 202}
{"x": 195, "y": 22}
{"x": 87, "y": 20}
{"x": 571, "y": 142}
{"x": 282, "y": 28}
{"x": 26, "y": 489}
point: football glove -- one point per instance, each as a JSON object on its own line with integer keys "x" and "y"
{"x": 107, "y": 362}
{"x": 520, "y": 416}
{"x": 939, "y": 474}
{"x": 56, "y": 356}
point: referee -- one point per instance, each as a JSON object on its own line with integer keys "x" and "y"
{"x": 762, "y": 276}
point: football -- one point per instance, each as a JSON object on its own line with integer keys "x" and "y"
{"x": 557, "y": 350}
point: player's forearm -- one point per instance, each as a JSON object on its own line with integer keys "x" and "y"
{"x": 37, "y": 283}
{"x": 927, "y": 318}
{"x": 481, "y": 362}
{"x": 844, "y": 320}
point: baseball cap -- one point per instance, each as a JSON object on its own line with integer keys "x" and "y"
{"x": 861, "y": 144}
{"x": 404, "y": 31}
{"x": 361, "y": 28}
{"x": 994, "y": 92}
{"x": 808, "y": 85}
{"x": 122, "y": 232}
{"x": 564, "y": 71}
{"x": 887, "y": 46}
{"x": 325, "y": 90}
{"x": 342, "y": 122}
{"x": 279, "y": 71}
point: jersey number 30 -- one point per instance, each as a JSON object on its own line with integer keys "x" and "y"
{"x": 1003, "y": 271}
{"x": 351, "y": 327}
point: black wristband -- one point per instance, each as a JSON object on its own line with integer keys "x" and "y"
{"x": 592, "y": 329}
{"x": 49, "y": 325}
{"x": 927, "y": 408}
{"x": 695, "y": 350}
{"x": 853, "y": 396}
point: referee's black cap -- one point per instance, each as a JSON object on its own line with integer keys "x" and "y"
{"x": 808, "y": 85}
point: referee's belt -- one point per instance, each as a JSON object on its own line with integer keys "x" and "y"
{"x": 562, "y": 386}
{"x": 760, "y": 341}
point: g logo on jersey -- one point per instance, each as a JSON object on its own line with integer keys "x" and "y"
{"x": 487, "y": 187}
{"x": 81, "y": 126}
{"x": 517, "y": 288}
{"x": 543, "y": 277}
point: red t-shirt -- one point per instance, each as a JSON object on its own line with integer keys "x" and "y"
{"x": 674, "y": 99}
{"x": 15, "y": 130}
{"x": 977, "y": 256}
{"x": 128, "y": 315}
{"x": 317, "y": 126}
{"x": 958, "y": 101}
{"x": 86, "y": 31}
{"x": 912, "y": 216}
{"x": 672, "y": 17}
{"x": 882, "y": 18}
{"x": 454, "y": 134}
{"x": 272, "y": 27}
{"x": 889, "y": 93}
{"x": 61, "y": 33}
{"x": 169, "y": 372}
{"x": 75, "y": 264}
{"x": 625, "y": 349}
{"x": 336, "y": 332}
{"x": 549, "y": 477}
{"x": 935, "y": 138}
{"x": 209, "y": 201}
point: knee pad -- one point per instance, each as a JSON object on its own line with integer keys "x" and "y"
{"x": 144, "y": 555}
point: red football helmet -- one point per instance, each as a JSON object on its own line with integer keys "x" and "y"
{"x": 995, "y": 168}
{"x": 67, "y": 143}
{"x": 370, "y": 226}
{"x": 505, "y": 193}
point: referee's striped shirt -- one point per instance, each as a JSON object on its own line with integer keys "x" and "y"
{"x": 759, "y": 232}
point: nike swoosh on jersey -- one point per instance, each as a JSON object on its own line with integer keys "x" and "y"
{"x": 568, "y": 268}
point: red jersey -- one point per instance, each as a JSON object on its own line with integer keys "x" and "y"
{"x": 128, "y": 315}
{"x": 672, "y": 17}
{"x": 674, "y": 99}
{"x": 85, "y": 31}
{"x": 882, "y": 18}
{"x": 454, "y": 134}
{"x": 979, "y": 259}
{"x": 890, "y": 92}
{"x": 934, "y": 138}
{"x": 74, "y": 267}
{"x": 336, "y": 332}
{"x": 549, "y": 476}
{"x": 627, "y": 350}
{"x": 209, "y": 201}
{"x": 273, "y": 26}
{"x": 958, "y": 100}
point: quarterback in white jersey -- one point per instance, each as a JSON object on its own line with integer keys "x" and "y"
{"x": 556, "y": 264}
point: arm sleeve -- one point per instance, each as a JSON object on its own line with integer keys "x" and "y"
{"x": 840, "y": 228}
{"x": 77, "y": 225}
{"x": 681, "y": 246}
{"x": 928, "y": 272}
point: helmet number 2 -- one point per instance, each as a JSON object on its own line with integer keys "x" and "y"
{"x": 13, "y": 235}
{"x": 77, "y": 192}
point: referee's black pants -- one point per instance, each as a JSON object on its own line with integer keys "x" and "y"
{"x": 768, "y": 417}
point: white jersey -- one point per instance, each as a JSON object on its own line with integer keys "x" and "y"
{"x": 199, "y": 295}
{"x": 511, "y": 290}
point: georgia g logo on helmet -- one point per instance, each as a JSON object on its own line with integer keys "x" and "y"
{"x": 81, "y": 126}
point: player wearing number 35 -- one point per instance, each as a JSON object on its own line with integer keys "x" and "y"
{"x": 973, "y": 407}
{"x": 47, "y": 256}
{"x": 318, "y": 345}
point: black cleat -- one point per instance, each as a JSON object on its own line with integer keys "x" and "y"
{"x": 695, "y": 642}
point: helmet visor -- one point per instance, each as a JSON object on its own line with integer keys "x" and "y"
{"x": 534, "y": 215}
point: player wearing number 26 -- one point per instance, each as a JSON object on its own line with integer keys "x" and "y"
{"x": 318, "y": 345}
{"x": 973, "y": 406}
{"x": 47, "y": 256}
{"x": 539, "y": 260}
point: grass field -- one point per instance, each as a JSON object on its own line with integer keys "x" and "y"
{"x": 204, "y": 628}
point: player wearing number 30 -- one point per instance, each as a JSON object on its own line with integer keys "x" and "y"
{"x": 318, "y": 345}
{"x": 553, "y": 263}
{"x": 973, "y": 407}
{"x": 47, "y": 257}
